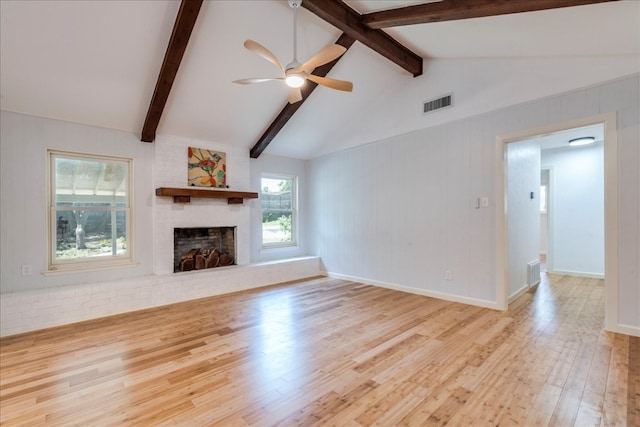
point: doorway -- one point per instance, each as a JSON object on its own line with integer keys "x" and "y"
{"x": 608, "y": 123}
{"x": 572, "y": 181}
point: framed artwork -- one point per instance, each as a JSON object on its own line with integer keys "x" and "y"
{"x": 207, "y": 168}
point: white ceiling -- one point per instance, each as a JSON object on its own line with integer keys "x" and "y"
{"x": 96, "y": 62}
{"x": 561, "y": 139}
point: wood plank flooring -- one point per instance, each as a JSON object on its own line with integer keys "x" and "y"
{"x": 331, "y": 352}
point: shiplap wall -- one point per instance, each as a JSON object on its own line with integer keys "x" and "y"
{"x": 400, "y": 211}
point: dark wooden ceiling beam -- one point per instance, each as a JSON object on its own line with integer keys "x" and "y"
{"x": 449, "y": 10}
{"x": 185, "y": 21}
{"x": 289, "y": 110}
{"x": 350, "y": 22}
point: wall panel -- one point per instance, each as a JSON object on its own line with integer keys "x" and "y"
{"x": 452, "y": 164}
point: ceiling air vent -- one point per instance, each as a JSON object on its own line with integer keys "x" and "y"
{"x": 437, "y": 104}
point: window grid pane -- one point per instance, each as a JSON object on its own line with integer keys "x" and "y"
{"x": 90, "y": 214}
{"x": 278, "y": 211}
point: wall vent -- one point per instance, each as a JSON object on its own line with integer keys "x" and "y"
{"x": 533, "y": 273}
{"x": 437, "y": 104}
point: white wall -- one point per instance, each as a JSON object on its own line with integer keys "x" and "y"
{"x": 577, "y": 247}
{"x": 523, "y": 212}
{"x": 399, "y": 212}
{"x": 39, "y": 301}
{"x": 24, "y": 141}
{"x": 285, "y": 166}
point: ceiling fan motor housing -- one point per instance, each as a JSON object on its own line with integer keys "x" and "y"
{"x": 290, "y": 65}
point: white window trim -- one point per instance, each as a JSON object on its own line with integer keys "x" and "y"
{"x": 294, "y": 213}
{"x": 56, "y": 267}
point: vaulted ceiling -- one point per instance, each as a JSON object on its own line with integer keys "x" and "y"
{"x": 99, "y": 62}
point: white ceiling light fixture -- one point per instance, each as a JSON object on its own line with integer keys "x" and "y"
{"x": 295, "y": 74}
{"x": 294, "y": 80}
{"x": 583, "y": 140}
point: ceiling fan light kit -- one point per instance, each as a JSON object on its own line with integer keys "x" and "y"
{"x": 295, "y": 74}
{"x": 294, "y": 80}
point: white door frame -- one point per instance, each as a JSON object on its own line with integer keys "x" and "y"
{"x": 610, "y": 211}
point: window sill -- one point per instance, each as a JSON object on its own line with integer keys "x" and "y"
{"x": 65, "y": 270}
{"x": 279, "y": 247}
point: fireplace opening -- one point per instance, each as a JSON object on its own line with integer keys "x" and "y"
{"x": 200, "y": 248}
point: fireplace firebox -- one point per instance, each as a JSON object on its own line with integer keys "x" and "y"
{"x": 200, "y": 248}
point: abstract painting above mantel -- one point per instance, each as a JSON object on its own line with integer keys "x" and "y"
{"x": 207, "y": 168}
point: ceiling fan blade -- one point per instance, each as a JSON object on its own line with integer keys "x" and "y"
{"x": 331, "y": 83}
{"x": 295, "y": 95}
{"x": 257, "y": 48}
{"x": 249, "y": 81}
{"x": 327, "y": 54}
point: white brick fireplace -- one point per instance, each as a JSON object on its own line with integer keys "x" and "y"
{"x": 171, "y": 171}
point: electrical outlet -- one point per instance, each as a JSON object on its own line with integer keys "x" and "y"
{"x": 26, "y": 270}
{"x": 448, "y": 275}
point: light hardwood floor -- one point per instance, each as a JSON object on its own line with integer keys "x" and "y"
{"x": 331, "y": 352}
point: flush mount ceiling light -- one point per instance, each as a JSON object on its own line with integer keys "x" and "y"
{"x": 583, "y": 140}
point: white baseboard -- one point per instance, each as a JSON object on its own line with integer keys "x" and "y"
{"x": 517, "y": 293}
{"x": 626, "y": 330}
{"x": 577, "y": 274}
{"x": 424, "y": 292}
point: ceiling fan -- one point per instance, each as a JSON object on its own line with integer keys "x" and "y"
{"x": 295, "y": 74}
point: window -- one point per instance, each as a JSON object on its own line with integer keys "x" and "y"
{"x": 278, "y": 200}
{"x": 89, "y": 211}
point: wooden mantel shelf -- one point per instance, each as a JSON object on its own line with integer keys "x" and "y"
{"x": 184, "y": 195}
